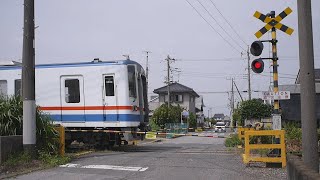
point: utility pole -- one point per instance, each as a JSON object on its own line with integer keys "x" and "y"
{"x": 147, "y": 71}
{"x": 147, "y": 65}
{"x": 168, "y": 59}
{"x": 232, "y": 103}
{"x": 249, "y": 77}
{"x": 238, "y": 91}
{"x": 28, "y": 80}
{"x": 308, "y": 95}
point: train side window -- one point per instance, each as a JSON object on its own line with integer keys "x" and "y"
{"x": 17, "y": 87}
{"x": 109, "y": 85}
{"x": 3, "y": 87}
{"x": 132, "y": 81}
{"x": 72, "y": 91}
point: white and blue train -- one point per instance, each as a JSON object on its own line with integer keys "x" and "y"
{"x": 104, "y": 95}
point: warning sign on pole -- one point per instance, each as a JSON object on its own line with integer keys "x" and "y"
{"x": 276, "y": 122}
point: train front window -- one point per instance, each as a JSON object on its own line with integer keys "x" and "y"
{"x": 132, "y": 81}
{"x": 109, "y": 85}
{"x": 72, "y": 90}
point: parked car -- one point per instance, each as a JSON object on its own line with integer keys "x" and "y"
{"x": 220, "y": 127}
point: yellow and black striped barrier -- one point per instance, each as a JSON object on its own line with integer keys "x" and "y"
{"x": 146, "y": 133}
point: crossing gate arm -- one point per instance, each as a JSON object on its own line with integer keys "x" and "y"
{"x": 247, "y": 158}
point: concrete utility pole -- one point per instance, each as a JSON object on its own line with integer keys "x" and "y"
{"x": 168, "y": 78}
{"x": 232, "y": 103}
{"x": 249, "y": 77}
{"x": 307, "y": 85}
{"x": 147, "y": 71}
{"x": 28, "y": 79}
{"x": 147, "y": 65}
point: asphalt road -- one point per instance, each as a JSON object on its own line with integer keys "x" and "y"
{"x": 181, "y": 158}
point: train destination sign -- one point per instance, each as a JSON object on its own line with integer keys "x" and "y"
{"x": 280, "y": 95}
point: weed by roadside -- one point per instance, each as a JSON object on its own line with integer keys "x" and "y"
{"x": 232, "y": 141}
{"x": 23, "y": 162}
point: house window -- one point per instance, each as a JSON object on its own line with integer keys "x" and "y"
{"x": 132, "y": 82}
{"x": 166, "y": 98}
{"x": 191, "y": 99}
{"x": 3, "y": 87}
{"x": 72, "y": 90}
{"x": 109, "y": 85}
{"x": 178, "y": 98}
{"x": 17, "y": 87}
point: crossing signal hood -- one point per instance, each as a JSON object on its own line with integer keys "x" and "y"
{"x": 256, "y": 48}
{"x": 257, "y": 66}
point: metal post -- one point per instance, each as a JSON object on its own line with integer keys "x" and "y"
{"x": 28, "y": 79}
{"x": 307, "y": 85}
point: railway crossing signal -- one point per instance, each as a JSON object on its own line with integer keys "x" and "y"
{"x": 256, "y": 49}
{"x": 273, "y": 22}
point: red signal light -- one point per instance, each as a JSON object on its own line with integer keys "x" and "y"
{"x": 257, "y": 65}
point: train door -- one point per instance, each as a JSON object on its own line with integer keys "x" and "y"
{"x": 72, "y": 99}
{"x": 140, "y": 96}
{"x": 110, "y": 101}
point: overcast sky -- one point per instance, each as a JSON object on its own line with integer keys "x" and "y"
{"x": 207, "y": 55}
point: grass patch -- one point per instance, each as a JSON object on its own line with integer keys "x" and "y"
{"x": 22, "y": 162}
{"x": 232, "y": 141}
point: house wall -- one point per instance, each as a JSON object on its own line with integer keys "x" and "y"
{"x": 291, "y": 108}
{"x": 187, "y": 104}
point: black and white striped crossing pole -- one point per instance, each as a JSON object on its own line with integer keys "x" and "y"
{"x": 28, "y": 79}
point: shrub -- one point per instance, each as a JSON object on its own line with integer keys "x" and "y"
{"x": 163, "y": 115}
{"x": 192, "y": 120}
{"x": 232, "y": 141}
{"x": 11, "y": 113}
{"x": 293, "y": 137}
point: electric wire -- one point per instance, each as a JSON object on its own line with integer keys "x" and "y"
{"x": 220, "y": 25}
{"x": 213, "y": 27}
{"x": 228, "y": 23}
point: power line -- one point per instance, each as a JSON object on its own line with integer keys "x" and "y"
{"x": 220, "y": 25}
{"x": 213, "y": 27}
{"x": 228, "y": 23}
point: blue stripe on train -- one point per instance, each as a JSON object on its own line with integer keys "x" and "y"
{"x": 95, "y": 117}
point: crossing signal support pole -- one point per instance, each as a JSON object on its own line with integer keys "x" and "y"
{"x": 275, "y": 65}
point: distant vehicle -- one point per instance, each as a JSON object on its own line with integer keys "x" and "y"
{"x": 97, "y": 95}
{"x": 220, "y": 127}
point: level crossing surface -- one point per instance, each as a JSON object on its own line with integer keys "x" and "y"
{"x": 185, "y": 157}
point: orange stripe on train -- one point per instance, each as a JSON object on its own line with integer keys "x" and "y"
{"x": 55, "y": 108}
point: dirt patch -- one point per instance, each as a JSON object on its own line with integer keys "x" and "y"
{"x": 7, "y": 170}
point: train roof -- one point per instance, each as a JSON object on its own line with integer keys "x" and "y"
{"x": 96, "y": 62}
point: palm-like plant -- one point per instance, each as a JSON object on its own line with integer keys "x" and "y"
{"x": 11, "y": 113}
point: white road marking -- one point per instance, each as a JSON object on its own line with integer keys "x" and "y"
{"x": 109, "y": 167}
{"x": 70, "y": 165}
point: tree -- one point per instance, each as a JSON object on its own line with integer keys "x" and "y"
{"x": 163, "y": 115}
{"x": 237, "y": 118}
{"x": 254, "y": 109}
{"x": 192, "y": 120}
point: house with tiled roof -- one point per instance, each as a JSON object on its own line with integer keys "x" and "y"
{"x": 179, "y": 94}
